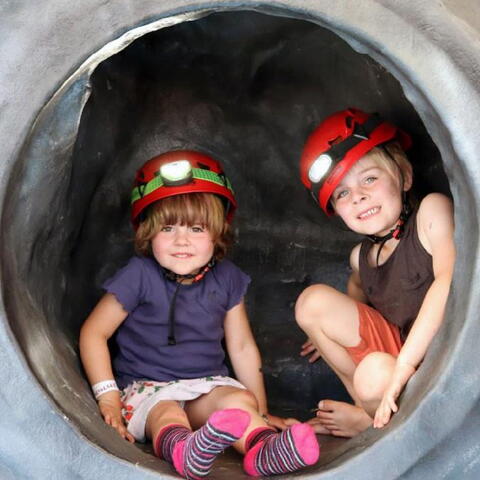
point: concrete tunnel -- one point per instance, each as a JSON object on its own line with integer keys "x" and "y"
{"x": 91, "y": 91}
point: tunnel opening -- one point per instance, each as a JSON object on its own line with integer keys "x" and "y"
{"x": 182, "y": 87}
{"x": 247, "y": 88}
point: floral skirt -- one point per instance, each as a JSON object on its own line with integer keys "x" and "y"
{"x": 141, "y": 396}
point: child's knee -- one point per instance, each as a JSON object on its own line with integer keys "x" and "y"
{"x": 238, "y": 397}
{"x": 312, "y": 303}
{"x": 167, "y": 409}
{"x": 372, "y": 376}
{"x": 164, "y": 412}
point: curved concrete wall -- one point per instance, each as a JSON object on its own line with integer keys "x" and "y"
{"x": 431, "y": 49}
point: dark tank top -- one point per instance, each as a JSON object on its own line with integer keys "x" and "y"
{"x": 397, "y": 288}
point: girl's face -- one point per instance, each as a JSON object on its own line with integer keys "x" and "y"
{"x": 369, "y": 198}
{"x": 183, "y": 249}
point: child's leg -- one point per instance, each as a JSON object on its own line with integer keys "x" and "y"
{"x": 193, "y": 454}
{"x": 221, "y": 398}
{"x": 274, "y": 453}
{"x": 267, "y": 452}
{"x": 166, "y": 425}
{"x": 371, "y": 379}
{"x": 330, "y": 319}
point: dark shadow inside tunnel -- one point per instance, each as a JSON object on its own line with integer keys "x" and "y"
{"x": 246, "y": 88}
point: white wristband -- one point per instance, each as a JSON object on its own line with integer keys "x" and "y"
{"x": 103, "y": 387}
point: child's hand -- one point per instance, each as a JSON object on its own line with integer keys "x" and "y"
{"x": 111, "y": 409}
{"x": 386, "y": 408}
{"x": 281, "y": 423}
{"x": 309, "y": 348}
{"x": 388, "y": 405}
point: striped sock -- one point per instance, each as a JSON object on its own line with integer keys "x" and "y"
{"x": 167, "y": 438}
{"x": 257, "y": 435}
{"x": 193, "y": 457}
{"x": 276, "y": 453}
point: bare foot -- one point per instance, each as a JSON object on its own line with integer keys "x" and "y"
{"x": 340, "y": 419}
{"x": 317, "y": 426}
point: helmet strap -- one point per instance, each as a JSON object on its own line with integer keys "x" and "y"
{"x": 196, "y": 277}
{"x": 395, "y": 232}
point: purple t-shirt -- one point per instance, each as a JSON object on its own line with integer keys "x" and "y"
{"x": 200, "y": 309}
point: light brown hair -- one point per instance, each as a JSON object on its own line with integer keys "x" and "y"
{"x": 190, "y": 209}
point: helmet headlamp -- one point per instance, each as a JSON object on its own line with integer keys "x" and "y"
{"x": 176, "y": 173}
{"x": 179, "y": 172}
{"x": 320, "y": 167}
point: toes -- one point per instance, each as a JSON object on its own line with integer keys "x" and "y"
{"x": 325, "y": 416}
{"x": 327, "y": 405}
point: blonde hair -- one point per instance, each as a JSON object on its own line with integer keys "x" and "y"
{"x": 190, "y": 209}
{"x": 391, "y": 157}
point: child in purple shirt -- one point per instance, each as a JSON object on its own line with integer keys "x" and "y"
{"x": 170, "y": 308}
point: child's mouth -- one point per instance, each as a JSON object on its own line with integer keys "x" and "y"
{"x": 182, "y": 255}
{"x": 368, "y": 213}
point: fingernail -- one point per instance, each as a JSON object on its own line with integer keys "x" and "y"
{"x": 320, "y": 404}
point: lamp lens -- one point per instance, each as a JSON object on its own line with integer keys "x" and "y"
{"x": 319, "y": 168}
{"x": 176, "y": 171}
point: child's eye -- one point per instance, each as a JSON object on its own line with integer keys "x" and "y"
{"x": 369, "y": 180}
{"x": 166, "y": 228}
{"x": 197, "y": 229}
{"x": 341, "y": 194}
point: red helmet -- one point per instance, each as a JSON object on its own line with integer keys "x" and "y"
{"x": 178, "y": 172}
{"x": 337, "y": 143}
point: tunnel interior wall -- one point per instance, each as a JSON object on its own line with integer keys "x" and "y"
{"x": 285, "y": 248}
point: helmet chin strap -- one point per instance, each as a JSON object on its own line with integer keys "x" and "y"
{"x": 395, "y": 232}
{"x": 178, "y": 279}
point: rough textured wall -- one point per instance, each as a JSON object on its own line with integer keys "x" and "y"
{"x": 62, "y": 185}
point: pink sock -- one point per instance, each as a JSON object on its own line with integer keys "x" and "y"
{"x": 282, "y": 452}
{"x": 167, "y": 438}
{"x": 193, "y": 457}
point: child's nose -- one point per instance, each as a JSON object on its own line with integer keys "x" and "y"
{"x": 181, "y": 235}
{"x": 359, "y": 196}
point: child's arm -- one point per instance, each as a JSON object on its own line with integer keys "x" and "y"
{"x": 246, "y": 361}
{"x": 436, "y": 228}
{"x": 100, "y": 325}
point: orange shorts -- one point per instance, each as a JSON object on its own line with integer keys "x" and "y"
{"x": 376, "y": 335}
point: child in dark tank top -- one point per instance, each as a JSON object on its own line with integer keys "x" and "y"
{"x": 375, "y": 336}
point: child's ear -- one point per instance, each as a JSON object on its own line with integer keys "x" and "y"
{"x": 407, "y": 173}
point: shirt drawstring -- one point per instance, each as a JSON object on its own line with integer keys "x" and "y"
{"x": 178, "y": 279}
{"x": 171, "y": 315}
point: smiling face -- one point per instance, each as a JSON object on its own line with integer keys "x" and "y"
{"x": 183, "y": 249}
{"x": 184, "y": 232}
{"x": 369, "y": 198}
